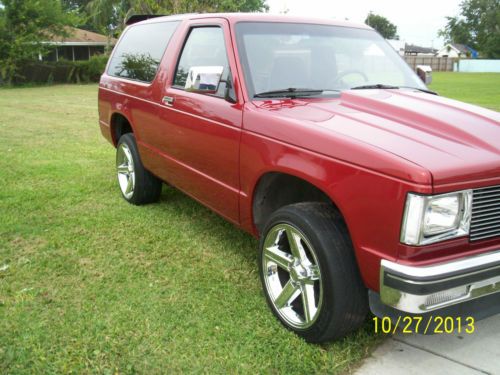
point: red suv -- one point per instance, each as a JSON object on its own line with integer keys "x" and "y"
{"x": 366, "y": 189}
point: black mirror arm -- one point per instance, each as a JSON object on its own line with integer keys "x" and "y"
{"x": 227, "y": 92}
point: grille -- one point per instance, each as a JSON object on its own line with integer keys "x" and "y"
{"x": 485, "y": 221}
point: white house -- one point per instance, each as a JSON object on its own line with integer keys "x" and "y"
{"x": 456, "y": 50}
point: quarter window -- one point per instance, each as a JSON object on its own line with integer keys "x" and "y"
{"x": 139, "y": 52}
{"x": 204, "y": 47}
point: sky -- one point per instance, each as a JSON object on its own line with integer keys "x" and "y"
{"x": 418, "y": 21}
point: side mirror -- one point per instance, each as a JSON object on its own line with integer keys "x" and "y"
{"x": 204, "y": 79}
{"x": 425, "y": 73}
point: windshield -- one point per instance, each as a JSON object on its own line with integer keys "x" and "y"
{"x": 279, "y": 56}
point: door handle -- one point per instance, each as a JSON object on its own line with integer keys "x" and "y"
{"x": 168, "y": 100}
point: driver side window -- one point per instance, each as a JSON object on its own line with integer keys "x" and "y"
{"x": 204, "y": 47}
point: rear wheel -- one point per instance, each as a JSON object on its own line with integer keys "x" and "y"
{"x": 138, "y": 185}
{"x": 309, "y": 272}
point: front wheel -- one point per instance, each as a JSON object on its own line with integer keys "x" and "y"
{"x": 137, "y": 184}
{"x": 309, "y": 272}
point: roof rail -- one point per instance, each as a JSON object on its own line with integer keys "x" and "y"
{"x": 141, "y": 17}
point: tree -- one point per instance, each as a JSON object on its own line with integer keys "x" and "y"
{"x": 385, "y": 27}
{"x": 108, "y": 15}
{"x": 456, "y": 31}
{"x": 24, "y": 26}
{"x": 78, "y": 7}
{"x": 477, "y": 26}
{"x": 75, "y": 5}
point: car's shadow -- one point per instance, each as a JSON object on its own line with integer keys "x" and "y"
{"x": 205, "y": 222}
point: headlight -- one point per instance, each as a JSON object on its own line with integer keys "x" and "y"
{"x": 429, "y": 219}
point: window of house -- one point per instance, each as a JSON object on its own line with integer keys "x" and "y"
{"x": 81, "y": 53}
{"x": 65, "y": 52}
{"x": 96, "y": 50}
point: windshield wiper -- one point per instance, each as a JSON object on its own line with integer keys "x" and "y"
{"x": 375, "y": 86}
{"x": 419, "y": 89}
{"x": 291, "y": 92}
{"x": 390, "y": 87}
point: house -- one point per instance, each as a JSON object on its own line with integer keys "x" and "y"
{"x": 413, "y": 50}
{"x": 77, "y": 45}
{"x": 457, "y": 50}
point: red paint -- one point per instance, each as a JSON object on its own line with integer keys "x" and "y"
{"x": 366, "y": 150}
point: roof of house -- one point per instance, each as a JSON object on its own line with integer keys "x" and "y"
{"x": 460, "y": 47}
{"x": 417, "y": 49}
{"x": 463, "y": 48}
{"x": 82, "y": 37}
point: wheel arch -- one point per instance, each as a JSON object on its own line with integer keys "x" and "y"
{"x": 276, "y": 189}
{"x": 119, "y": 125}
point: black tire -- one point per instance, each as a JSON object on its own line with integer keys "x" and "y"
{"x": 146, "y": 187}
{"x": 344, "y": 301}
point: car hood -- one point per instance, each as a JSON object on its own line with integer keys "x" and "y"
{"x": 454, "y": 141}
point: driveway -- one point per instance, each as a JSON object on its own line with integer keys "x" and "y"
{"x": 477, "y": 353}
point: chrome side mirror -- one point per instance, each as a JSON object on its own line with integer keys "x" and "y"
{"x": 425, "y": 73}
{"x": 204, "y": 79}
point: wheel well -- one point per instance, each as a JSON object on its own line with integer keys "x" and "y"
{"x": 275, "y": 190}
{"x": 119, "y": 126}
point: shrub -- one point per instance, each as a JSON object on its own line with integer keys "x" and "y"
{"x": 63, "y": 71}
{"x": 89, "y": 70}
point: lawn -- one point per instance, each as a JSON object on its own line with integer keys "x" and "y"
{"x": 477, "y": 88}
{"x": 91, "y": 284}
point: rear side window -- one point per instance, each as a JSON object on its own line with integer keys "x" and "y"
{"x": 139, "y": 52}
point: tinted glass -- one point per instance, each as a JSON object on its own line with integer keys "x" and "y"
{"x": 139, "y": 52}
{"x": 277, "y": 56}
{"x": 204, "y": 47}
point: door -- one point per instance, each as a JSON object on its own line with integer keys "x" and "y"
{"x": 200, "y": 133}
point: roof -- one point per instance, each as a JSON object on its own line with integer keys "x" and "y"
{"x": 258, "y": 17}
{"x": 80, "y": 37}
{"x": 460, "y": 47}
{"x": 417, "y": 49}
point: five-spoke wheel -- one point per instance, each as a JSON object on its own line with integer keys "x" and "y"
{"x": 292, "y": 275}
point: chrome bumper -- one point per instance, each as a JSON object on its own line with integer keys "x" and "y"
{"x": 423, "y": 289}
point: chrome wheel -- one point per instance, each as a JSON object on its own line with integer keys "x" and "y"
{"x": 292, "y": 276}
{"x": 126, "y": 170}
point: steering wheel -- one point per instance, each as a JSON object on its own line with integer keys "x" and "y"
{"x": 348, "y": 72}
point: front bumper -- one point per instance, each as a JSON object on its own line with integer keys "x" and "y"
{"x": 418, "y": 290}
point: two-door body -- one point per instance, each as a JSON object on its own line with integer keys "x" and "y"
{"x": 365, "y": 150}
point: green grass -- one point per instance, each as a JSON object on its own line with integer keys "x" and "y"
{"x": 477, "y": 88}
{"x": 91, "y": 284}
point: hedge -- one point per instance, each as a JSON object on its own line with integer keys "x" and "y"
{"x": 63, "y": 71}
